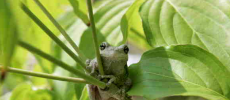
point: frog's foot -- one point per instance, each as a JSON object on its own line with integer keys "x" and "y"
{"x": 111, "y": 79}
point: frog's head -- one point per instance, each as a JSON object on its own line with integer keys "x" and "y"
{"x": 110, "y": 52}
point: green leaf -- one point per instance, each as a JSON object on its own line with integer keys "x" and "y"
{"x": 204, "y": 23}
{"x": 67, "y": 19}
{"x": 0, "y": 88}
{"x": 37, "y": 81}
{"x": 25, "y": 92}
{"x": 180, "y": 70}
{"x": 42, "y": 95}
{"x": 131, "y": 26}
{"x": 12, "y": 80}
{"x": 80, "y": 9}
{"x": 84, "y": 95}
{"x": 182, "y": 98}
{"x": 20, "y": 92}
{"x": 79, "y": 90}
{"x": 65, "y": 90}
{"x": 8, "y": 34}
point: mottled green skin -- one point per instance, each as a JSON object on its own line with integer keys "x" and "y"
{"x": 114, "y": 61}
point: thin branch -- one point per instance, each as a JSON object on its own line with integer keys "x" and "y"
{"x": 71, "y": 69}
{"x": 52, "y": 36}
{"x": 90, "y": 9}
{"x": 58, "y": 26}
{"x": 48, "y": 76}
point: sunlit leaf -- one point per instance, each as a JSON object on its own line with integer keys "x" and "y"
{"x": 12, "y": 80}
{"x": 84, "y": 95}
{"x": 37, "y": 81}
{"x": 204, "y": 23}
{"x": 20, "y": 92}
{"x": 25, "y": 92}
{"x": 67, "y": 19}
{"x": 180, "y": 70}
{"x": 8, "y": 33}
{"x": 80, "y": 9}
{"x": 29, "y": 31}
{"x": 60, "y": 86}
{"x": 131, "y": 26}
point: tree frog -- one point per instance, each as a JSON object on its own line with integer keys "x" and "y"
{"x": 114, "y": 61}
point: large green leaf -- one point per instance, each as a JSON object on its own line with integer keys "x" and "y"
{"x": 204, "y": 23}
{"x": 180, "y": 70}
{"x": 8, "y": 34}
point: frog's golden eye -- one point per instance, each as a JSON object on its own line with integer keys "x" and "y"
{"x": 103, "y": 46}
{"x": 126, "y": 49}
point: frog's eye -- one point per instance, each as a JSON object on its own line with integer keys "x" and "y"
{"x": 103, "y": 46}
{"x": 126, "y": 49}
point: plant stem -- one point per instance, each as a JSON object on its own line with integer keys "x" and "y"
{"x": 48, "y": 76}
{"x": 52, "y": 36}
{"x": 88, "y": 78}
{"x": 90, "y": 9}
{"x": 58, "y": 26}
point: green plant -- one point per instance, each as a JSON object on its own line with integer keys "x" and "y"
{"x": 186, "y": 44}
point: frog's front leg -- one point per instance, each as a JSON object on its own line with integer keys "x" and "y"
{"x": 92, "y": 67}
{"x": 112, "y": 78}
